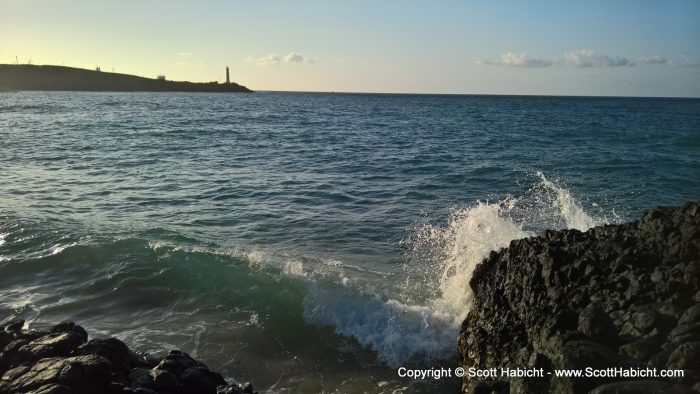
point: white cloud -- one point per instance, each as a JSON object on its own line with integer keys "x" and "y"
{"x": 516, "y": 60}
{"x": 293, "y": 57}
{"x": 266, "y": 60}
{"x": 656, "y": 59}
{"x": 580, "y": 58}
{"x": 273, "y": 58}
{"x": 588, "y": 58}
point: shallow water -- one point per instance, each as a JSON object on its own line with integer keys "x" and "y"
{"x": 307, "y": 242}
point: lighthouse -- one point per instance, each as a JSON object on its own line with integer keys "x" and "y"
{"x": 228, "y": 79}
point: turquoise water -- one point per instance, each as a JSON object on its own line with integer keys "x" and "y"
{"x": 307, "y": 242}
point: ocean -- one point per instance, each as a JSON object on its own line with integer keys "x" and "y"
{"x": 308, "y": 242}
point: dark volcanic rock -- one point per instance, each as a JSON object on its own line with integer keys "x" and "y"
{"x": 177, "y": 362}
{"x": 61, "y": 362}
{"x": 83, "y": 374}
{"x": 112, "y": 349}
{"x": 624, "y": 296}
{"x": 201, "y": 380}
{"x": 55, "y": 344}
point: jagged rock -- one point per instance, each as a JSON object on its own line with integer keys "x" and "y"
{"x": 73, "y": 328}
{"x": 177, "y": 362}
{"x": 142, "y": 360}
{"x": 140, "y": 377}
{"x": 52, "y": 389}
{"x": 245, "y": 388}
{"x": 642, "y": 349}
{"x": 201, "y": 380}
{"x": 597, "y": 325}
{"x": 56, "y": 344}
{"x": 685, "y": 333}
{"x": 614, "y": 296}
{"x": 13, "y": 326}
{"x": 691, "y": 315}
{"x": 9, "y": 352}
{"x": 165, "y": 381}
{"x": 60, "y": 362}
{"x": 112, "y": 349}
{"x": 686, "y": 356}
{"x": 83, "y": 374}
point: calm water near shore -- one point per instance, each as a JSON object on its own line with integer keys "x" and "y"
{"x": 307, "y": 242}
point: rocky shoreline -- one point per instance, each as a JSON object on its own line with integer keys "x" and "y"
{"x": 63, "y": 361}
{"x": 616, "y": 296}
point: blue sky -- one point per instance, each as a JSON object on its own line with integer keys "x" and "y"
{"x": 638, "y": 48}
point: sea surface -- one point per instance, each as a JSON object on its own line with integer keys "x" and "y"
{"x": 307, "y": 242}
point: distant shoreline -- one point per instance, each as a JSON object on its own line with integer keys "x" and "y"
{"x": 22, "y": 77}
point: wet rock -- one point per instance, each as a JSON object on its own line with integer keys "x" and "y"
{"x": 73, "y": 328}
{"x": 178, "y": 362}
{"x": 112, "y": 349}
{"x": 60, "y": 362}
{"x": 165, "y": 381}
{"x": 13, "y": 326}
{"x": 142, "y": 360}
{"x": 201, "y": 380}
{"x": 52, "y": 389}
{"x": 613, "y": 296}
{"x": 141, "y": 377}
{"x": 245, "y": 388}
{"x": 83, "y": 374}
{"x": 55, "y": 344}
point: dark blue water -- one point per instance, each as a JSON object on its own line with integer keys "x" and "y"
{"x": 307, "y": 242}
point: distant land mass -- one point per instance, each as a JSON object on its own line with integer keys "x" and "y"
{"x": 33, "y": 77}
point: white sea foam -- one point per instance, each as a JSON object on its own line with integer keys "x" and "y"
{"x": 423, "y": 325}
{"x": 570, "y": 209}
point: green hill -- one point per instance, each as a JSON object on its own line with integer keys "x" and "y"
{"x": 31, "y": 77}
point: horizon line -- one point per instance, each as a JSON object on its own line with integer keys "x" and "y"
{"x": 387, "y": 93}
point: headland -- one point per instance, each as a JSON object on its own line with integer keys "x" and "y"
{"x": 17, "y": 77}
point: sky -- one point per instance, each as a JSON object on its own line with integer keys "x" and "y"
{"x": 557, "y": 47}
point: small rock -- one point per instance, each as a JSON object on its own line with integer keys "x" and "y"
{"x": 112, "y": 349}
{"x": 201, "y": 380}
{"x": 686, "y": 356}
{"x": 13, "y": 326}
{"x": 71, "y": 327}
{"x": 165, "y": 381}
{"x": 691, "y": 315}
{"x": 177, "y": 362}
{"x": 52, "y": 389}
{"x": 597, "y": 325}
{"x": 642, "y": 349}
